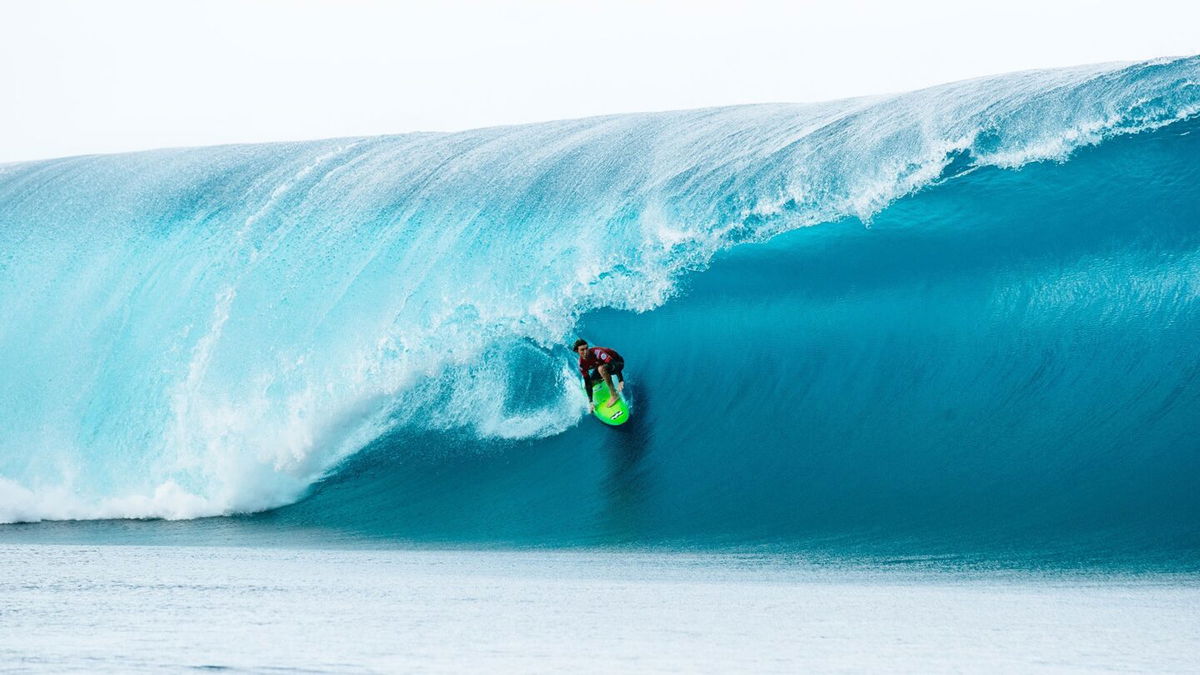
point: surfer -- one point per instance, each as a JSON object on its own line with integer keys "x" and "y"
{"x": 600, "y": 363}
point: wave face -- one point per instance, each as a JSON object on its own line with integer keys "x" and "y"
{"x": 972, "y": 340}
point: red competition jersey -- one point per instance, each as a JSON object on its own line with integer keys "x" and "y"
{"x": 595, "y": 357}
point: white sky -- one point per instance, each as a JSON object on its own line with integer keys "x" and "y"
{"x": 79, "y": 76}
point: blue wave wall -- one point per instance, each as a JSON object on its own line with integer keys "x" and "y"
{"x": 973, "y": 343}
{"x": 1004, "y": 362}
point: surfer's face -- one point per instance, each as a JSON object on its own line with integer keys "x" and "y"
{"x": 581, "y": 350}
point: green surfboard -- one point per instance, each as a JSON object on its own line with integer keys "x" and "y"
{"x": 613, "y": 415}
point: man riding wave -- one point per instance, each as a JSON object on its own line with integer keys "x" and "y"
{"x": 600, "y": 363}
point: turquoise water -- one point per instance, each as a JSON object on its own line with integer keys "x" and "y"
{"x": 958, "y": 323}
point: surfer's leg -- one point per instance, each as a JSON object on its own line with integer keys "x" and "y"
{"x": 612, "y": 391}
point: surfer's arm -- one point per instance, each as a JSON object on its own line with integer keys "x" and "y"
{"x": 587, "y": 389}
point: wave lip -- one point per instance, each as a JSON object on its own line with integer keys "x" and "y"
{"x": 210, "y": 331}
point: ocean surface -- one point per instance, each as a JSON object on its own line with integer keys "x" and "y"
{"x": 160, "y": 609}
{"x": 944, "y": 330}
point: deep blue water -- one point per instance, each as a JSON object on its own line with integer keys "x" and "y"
{"x": 959, "y": 322}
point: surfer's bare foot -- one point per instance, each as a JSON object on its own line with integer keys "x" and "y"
{"x": 611, "y": 401}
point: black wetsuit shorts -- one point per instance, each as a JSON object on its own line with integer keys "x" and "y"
{"x": 614, "y": 368}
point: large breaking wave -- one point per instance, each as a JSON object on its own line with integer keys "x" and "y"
{"x": 971, "y": 335}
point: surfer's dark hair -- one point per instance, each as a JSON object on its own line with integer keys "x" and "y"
{"x": 579, "y": 343}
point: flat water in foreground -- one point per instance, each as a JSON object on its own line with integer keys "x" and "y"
{"x": 133, "y": 608}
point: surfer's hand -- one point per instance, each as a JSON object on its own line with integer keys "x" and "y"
{"x": 620, "y": 386}
{"x": 591, "y": 407}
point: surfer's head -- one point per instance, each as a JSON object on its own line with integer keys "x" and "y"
{"x": 580, "y": 346}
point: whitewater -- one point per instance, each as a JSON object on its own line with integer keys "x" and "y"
{"x": 960, "y": 314}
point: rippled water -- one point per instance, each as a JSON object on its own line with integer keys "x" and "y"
{"x": 154, "y": 609}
